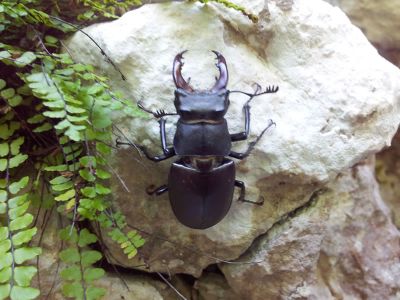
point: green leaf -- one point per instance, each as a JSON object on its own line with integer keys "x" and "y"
{"x": 15, "y": 187}
{"x": 102, "y": 190}
{"x": 23, "y": 254}
{"x": 3, "y": 208}
{"x": 102, "y": 174}
{"x": 16, "y": 144}
{"x": 71, "y": 273}
{"x": 59, "y": 168}
{"x": 67, "y": 234}
{"x": 25, "y": 59}
{"x": 4, "y": 55}
{"x": 94, "y": 293}
{"x": 2, "y": 84}
{"x": 3, "y": 195}
{"x": 24, "y": 274}
{"x": 5, "y": 260}
{"x": 57, "y": 114}
{"x": 36, "y": 119}
{"x": 15, "y": 101}
{"x": 3, "y": 233}
{"x": 7, "y": 93}
{"x": 92, "y": 274}
{"x": 4, "y": 290}
{"x": 17, "y": 160}
{"x": 94, "y": 89}
{"x": 24, "y": 236}
{"x": 3, "y": 164}
{"x": 17, "y": 201}
{"x": 66, "y": 196}
{"x": 70, "y": 255}
{"x": 18, "y": 211}
{"x": 21, "y": 222}
{"x": 42, "y": 128}
{"x": 86, "y": 238}
{"x": 51, "y": 39}
{"x": 75, "y": 110}
{"x": 73, "y": 134}
{"x": 87, "y": 175}
{"x": 89, "y": 192}
{"x": 5, "y": 275}
{"x": 5, "y": 246}
{"x": 87, "y": 161}
{"x": 73, "y": 290}
{"x": 89, "y": 257}
{"x": 24, "y": 293}
{"x": 63, "y": 124}
{"x": 63, "y": 186}
{"x": 59, "y": 180}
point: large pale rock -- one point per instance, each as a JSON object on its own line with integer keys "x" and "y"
{"x": 338, "y": 102}
{"x": 342, "y": 245}
{"x": 388, "y": 176}
{"x": 377, "y": 19}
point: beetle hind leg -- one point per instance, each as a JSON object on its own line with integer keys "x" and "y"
{"x": 157, "y": 191}
{"x": 242, "y": 186}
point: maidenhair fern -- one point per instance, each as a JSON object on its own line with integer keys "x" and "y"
{"x": 55, "y": 127}
{"x": 16, "y": 229}
{"x": 79, "y": 273}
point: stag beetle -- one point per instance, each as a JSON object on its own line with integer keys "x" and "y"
{"x": 202, "y": 180}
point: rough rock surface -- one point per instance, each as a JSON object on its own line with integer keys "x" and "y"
{"x": 335, "y": 106}
{"x": 213, "y": 286}
{"x": 341, "y": 245}
{"x": 388, "y": 176}
{"x": 377, "y": 19}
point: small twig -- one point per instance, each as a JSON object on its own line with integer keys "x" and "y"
{"x": 94, "y": 42}
{"x": 171, "y": 286}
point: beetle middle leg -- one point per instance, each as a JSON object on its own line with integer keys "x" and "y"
{"x": 242, "y": 186}
{"x": 243, "y": 155}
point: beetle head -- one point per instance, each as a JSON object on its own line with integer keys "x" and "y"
{"x": 201, "y": 106}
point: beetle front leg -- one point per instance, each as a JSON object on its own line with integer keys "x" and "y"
{"x": 251, "y": 145}
{"x": 163, "y": 137}
{"x": 242, "y": 186}
{"x": 241, "y": 136}
{"x": 157, "y": 158}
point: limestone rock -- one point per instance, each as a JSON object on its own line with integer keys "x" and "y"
{"x": 213, "y": 286}
{"x": 388, "y": 176}
{"x": 338, "y": 103}
{"x": 377, "y": 19}
{"x": 353, "y": 254}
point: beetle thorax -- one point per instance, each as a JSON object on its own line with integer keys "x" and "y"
{"x": 201, "y": 106}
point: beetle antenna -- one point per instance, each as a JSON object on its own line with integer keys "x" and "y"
{"x": 156, "y": 114}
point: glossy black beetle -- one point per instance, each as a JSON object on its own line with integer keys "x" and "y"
{"x": 201, "y": 182}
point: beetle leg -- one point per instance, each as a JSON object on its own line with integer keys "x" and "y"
{"x": 171, "y": 152}
{"x": 242, "y": 186}
{"x": 163, "y": 137}
{"x": 251, "y": 145}
{"x": 241, "y": 136}
{"x": 158, "y": 191}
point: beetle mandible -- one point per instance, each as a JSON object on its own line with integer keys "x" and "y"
{"x": 202, "y": 180}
